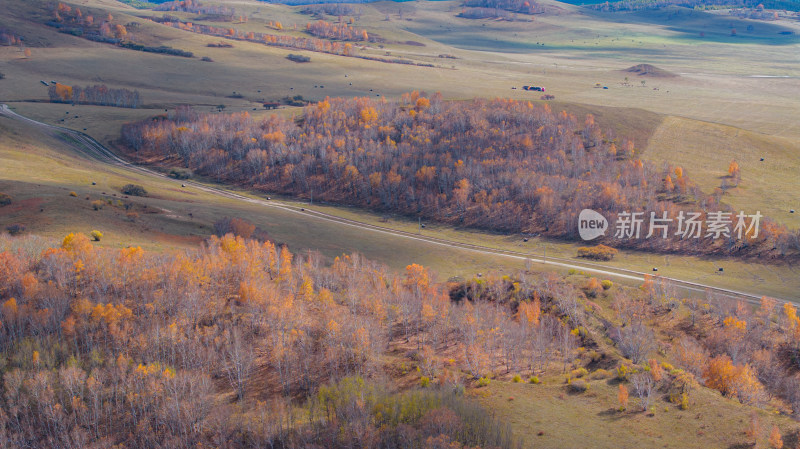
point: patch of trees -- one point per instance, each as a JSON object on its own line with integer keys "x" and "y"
{"x": 285, "y": 41}
{"x": 340, "y": 31}
{"x": 331, "y": 9}
{"x": 500, "y": 164}
{"x": 133, "y": 190}
{"x": 518, "y": 6}
{"x": 225, "y": 342}
{"x": 318, "y": 45}
{"x": 163, "y": 49}
{"x": 97, "y": 95}
{"x": 298, "y": 58}
{"x": 599, "y": 252}
{"x": 196, "y": 7}
{"x": 487, "y": 13}
{"x": 9, "y": 38}
{"x": 499, "y": 9}
{"x": 72, "y": 21}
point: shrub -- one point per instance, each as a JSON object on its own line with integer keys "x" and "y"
{"x": 15, "y": 229}
{"x": 132, "y": 216}
{"x": 134, "y": 190}
{"x": 580, "y": 372}
{"x": 298, "y": 58}
{"x": 180, "y": 173}
{"x": 98, "y": 204}
{"x": 684, "y": 401}
{"x": 624, "y": 373}
{"x": 516, "y": 379}
{"x": 206, "y": 59}
{"x": 73, "y": 194}
{"x": 607, "y": 284}
{"x": 599, "y": 252}
{"x": 593, "y": 288}
{"x": 578, "y": 386}
{"x": 5, "y": 199}
{"x": 534, "y": 380}
{"x": 236, "y": 226}
{"x": 483, "y": 382}
{"x": 425, "y": 382}
{"x": 600, "y": 374}
{"x": 96, "y": 235}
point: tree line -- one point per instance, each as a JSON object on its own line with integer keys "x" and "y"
{"x": 287, "y": 41}
{"x": 69, "y": 20}
{"x": 504, "y": 165}
{"x": 636, "y": 5}
{"x": 283, "y": 40}
{"x": 339, "y": 31}
{"x": 196, "y": 7}
{"x": 517, "y": 6}
{"x": 98, "y": 94}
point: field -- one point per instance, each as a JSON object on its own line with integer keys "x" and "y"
{"x": 711, "y": 421}
{"x": 721, "y": 96}
{"x": 696, "y": 120}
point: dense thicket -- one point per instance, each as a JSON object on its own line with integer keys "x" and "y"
{"x": 501, "y": 164}
{"x": 97, "y": 94}
{"x": 218, "y": 346}
{"x": 243, "y": 344}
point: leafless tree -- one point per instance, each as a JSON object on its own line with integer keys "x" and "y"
{"x": 635, "y": 341}
{"x": 643, "y": 387}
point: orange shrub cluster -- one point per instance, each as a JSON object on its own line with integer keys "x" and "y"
{"x": 599, "y": 252}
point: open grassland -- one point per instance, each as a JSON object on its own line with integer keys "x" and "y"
{"x": 592, "y": 419}
{"x": 769, "y": 186}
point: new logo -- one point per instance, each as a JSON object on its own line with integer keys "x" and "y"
{"x": 591, "y": 224}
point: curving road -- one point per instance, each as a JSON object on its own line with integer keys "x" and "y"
{"x": 92, "y": 148}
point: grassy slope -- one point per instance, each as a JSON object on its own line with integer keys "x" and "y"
{"x": 769, "y": 186}
{"x": 591, "y": 420}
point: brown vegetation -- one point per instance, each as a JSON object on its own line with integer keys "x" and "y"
{"x": 499, "y": 164}
{"x": 97, "y": 95}
{"x": 221, "y": 344}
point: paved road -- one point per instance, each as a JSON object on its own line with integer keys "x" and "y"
{"x": 91, "y": 148}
